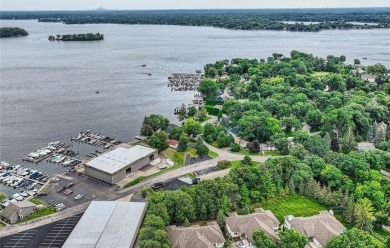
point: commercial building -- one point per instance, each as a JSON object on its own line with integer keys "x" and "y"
{"x": 16, "y": 211}
{"x": 108, "y": 224}
{"x": 111, "y": 167}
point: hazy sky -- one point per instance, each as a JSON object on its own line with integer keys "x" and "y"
{"x": 183, "y": 4}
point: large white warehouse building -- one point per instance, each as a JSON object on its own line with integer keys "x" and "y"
{"x": 111, "y": 167}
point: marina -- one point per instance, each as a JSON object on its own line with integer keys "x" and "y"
{"x": 184, "y": 81}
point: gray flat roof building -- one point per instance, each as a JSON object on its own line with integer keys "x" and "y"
{"x": 111, "y": 167}
{"x": 108, "y": 224}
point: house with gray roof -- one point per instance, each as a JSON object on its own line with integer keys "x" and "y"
{"x": 319, "y": 229}
{"x": 16, "y": 211}
{"x": 243, "y": 226}
{"x": 209, "y": 236}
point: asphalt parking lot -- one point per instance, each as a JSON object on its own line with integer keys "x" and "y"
{"x": 205, "y": 171}
{"x": 52, "y": 235}
{"x": 90, "y": 188}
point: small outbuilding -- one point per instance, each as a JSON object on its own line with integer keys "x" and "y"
{"x": 111, "y": 167}
{"x": 16, "y": 211}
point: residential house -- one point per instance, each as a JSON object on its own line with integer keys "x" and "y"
{"x": 319, "y": 229}
{"x": 16, "y": 211}
{"x": 173, "y": 143}
{"x": 196, "y": 236}
{"x": 370, "y": 78}
{"x": 243, "y": 226}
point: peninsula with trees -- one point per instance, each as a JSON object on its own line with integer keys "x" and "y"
{"x": 314, "y": 137}
{"x": 77, "y": 37}
{"x": 9, "y": 32}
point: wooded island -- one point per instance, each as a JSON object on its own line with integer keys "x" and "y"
{"x": 77, "y": 37}
{"x": 8, "y": 32}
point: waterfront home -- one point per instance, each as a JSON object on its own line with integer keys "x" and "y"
{"x": 319, "y": 229}
{"x": 243, "y": 226}
{"x": 16, "y": 211}
{"x": 209, "y": 236}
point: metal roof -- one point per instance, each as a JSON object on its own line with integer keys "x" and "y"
{"x": 119, "y": 158}
{"x": 108, "y": 224}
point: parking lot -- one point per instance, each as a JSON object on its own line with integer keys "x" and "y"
{"x": 52, "y": 235}
{"x": 205, "y": 171}
{"x": 88, "y": 187}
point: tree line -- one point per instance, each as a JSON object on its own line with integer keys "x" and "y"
{"x": 8, "y": 32}
{"x": 235, "y": 19}
{"x": 77, "y": 37}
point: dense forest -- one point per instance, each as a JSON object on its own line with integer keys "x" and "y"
{"x": 273, "y": 99}
{"x": 316, "y": 20}
{"x": 8, "y": 32}
{"x": 77, "y": 37}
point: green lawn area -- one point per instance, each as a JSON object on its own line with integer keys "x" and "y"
{"x": 213, "y": 154}
{"x": 245, "y": 151}
{"x": 38, "y": 214}
{"x": 36, "y": 201}
{"x": 319, "y": 74}
{"x": 296, "y": 205}
{"x": 191, "y": 151}
{"x": 2, "y": 224}
{"x": 237, "y": 163}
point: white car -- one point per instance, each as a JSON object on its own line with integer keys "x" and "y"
{"x": 78, "y": 197}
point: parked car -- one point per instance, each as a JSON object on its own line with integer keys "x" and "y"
{"x": 69, "y": 185}
{"x": 61, "y": 189}
{"x": 157, "y": 185}
{"x": 78, "y": 197}
{"x": 59, "y": 206}
{"x": 68, "y": 192}
{"x": 240, "y": 245}
{"x": 41, "y": 194}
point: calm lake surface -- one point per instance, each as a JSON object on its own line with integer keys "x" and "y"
{"x": 48, "y": 88}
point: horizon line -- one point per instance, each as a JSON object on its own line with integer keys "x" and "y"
{"x": 285, "y": 8}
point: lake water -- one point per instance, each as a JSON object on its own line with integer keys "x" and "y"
{"x": 48, "y": 88}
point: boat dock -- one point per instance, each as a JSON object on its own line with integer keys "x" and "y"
{"x": 184, "y": 81}
{"x": 95, "y": 139}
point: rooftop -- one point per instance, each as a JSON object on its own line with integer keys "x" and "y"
{"x": 108, "y": 224}
{"x": 321, "y": 227}
{"x": 248, "y": 224}
{"x": 196, "y": 236}
{"x": 119, "y": 158}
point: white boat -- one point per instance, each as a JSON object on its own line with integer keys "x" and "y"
{"x": 33, "y": 155}
{"x": 17, "y": 166}
{"x": 47, "y": 151}
{"x": 60, "y": 159}
{"x": 4, "y": 164}
{"x": 41, "y": 152}
{"x": 68, "y": 162}
{"x": 17, "y": 197}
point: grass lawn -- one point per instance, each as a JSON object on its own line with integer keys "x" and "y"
{"x": 296, "y": 205}
{"x": 36, "y": 201}
{"x": 38, "y": 214}
{"x": 213, "y": 154}
{"x": 245, "y": 151}
{"x": 237, "y": 163}
{"x": 2, "y": 224}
